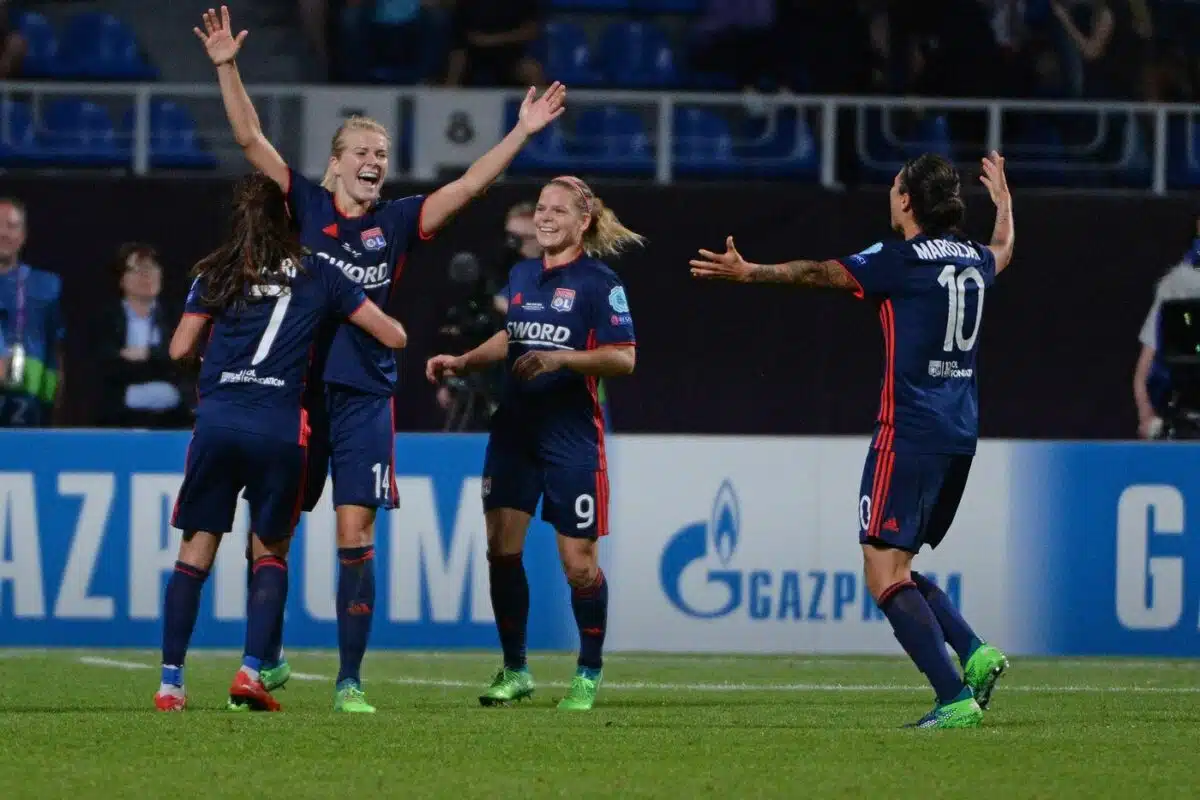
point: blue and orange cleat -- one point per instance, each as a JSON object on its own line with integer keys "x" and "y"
{"x": 249, "y": 694}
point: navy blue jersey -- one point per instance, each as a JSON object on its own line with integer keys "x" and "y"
{"x": 255, "y": 364}
{"x": 371, "y": 251}
{"x": 578, "y": 306}
{"x": 930, "y": 294}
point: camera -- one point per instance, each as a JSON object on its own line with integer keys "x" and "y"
{"x": 1179, "y": 353}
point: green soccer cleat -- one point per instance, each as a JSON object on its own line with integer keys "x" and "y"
{"x": 509, "y": 686}
{"x": 582, "y": 694}
{"x": 960, "y": 714}
{"x": 982, "y": 670}
{"x": 349, "y": 697}
{"x": 275, "y": 677}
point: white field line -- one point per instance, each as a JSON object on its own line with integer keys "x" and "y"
{"x": 96, "y": 661}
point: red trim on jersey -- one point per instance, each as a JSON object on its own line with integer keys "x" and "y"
{"x": 187, "y": 455}
{"x": 395, "y": 490}
{"x": 298, "y": 508}
{"x": 597, "y": 412}
{"x": 287, "y": 190}
{"x": 200, "y": 314}
{"x": 423, "y": 234}
{"x": 578, "y": 256}
{"x": 887, "y": 394}
{"x": 602, "y": 492}
{"x": 357, "y": 309}
{"x": 330, "y": 230}
{"x": 396, "y": 275}
{"x": 305, "y": 429}
{"x": 860, "y": 293}
{"x": 617, "y": 344}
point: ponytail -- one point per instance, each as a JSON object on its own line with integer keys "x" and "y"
{"x": 606, "y": 235}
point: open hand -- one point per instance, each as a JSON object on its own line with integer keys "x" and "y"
{"x": 536, "y": 362}
{"x": 994, "y": 179}
{"x": 537, "y": 114}
{"x": 728, "y": 266}
{"x": 218, "y": 38}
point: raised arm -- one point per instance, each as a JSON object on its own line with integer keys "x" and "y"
{"x": 535, "y": 115}
{"x": 186, "y": 340}
{"x": 730, "y": 266}
{"x": 222, "y": 47}
{"x": 1003, "y": 233}
{"x": 387, "y": 330}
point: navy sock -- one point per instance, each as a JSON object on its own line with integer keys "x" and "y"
{"x": 275, "y": 643}
{"x": 180, "y": 609}
{"x": 355, "y": 608}
{"x": 510, "y": 605}
{"x": 956, "y": 630}
{"x": 918, "y": 631}
{"x": 590, "y": 604}
{"x": 268, "y": 595}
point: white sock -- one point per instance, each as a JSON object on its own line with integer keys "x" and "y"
{"x": 170, "y": 689}
{"x": 250, "y": 673}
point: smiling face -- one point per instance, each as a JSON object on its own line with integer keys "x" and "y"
{"x": 559, "y": 221}
{"x": 362, "y": 164}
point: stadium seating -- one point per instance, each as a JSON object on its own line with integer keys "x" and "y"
{"x": 42, "y": 57}
{"x": 668, "y": 6}
{"x": 99, "y": 46}
{"x": 1183, "y": 153}
{"x": 174, "y": 142}
{"x": 613, "y": 140}
{"x": 568, "y": 55}
{"x": 638, "y": 55}
{"x": 779, "y": 144}
{"x": 605, "y": 6}
{"x": 78, "y": 132}
{"x": 18, "y": 143}
{"x": 703, "y": 143}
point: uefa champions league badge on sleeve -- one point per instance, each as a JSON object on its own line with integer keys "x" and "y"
{"x": 861, "y": 257}
{"x": 617, "y": 301}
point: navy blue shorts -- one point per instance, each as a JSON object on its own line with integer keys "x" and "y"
{"x": 909, "y": 500}
{"x": 317, "y": 470}
{"x": 221, "y": 462}
{"x": 362, "y": 434}
{"x": 574, "y": 499}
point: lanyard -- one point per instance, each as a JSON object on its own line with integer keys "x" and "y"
{"x": 19, "y": 329}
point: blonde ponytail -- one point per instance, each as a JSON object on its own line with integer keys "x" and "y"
{"x": 354, "y": 123}
{"x": 606, "y": 236}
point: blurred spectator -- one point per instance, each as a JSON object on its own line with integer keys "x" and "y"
{"x": 31, "y": 324}
{"x": 1107, "y": 48}
{"x": 490, "y": 43}
{"x": 139, "y": 387}
{"x": 406, "y": 39}
{"x": 1151, "y": 380}
{"x": 12, "y": 45}
{"x": 739, "y": 38}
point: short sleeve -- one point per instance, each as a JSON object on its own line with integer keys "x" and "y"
{"x": 404, "y": 217}
{"x": 195, "y": 300}
{"x": 873, "y": 269}
{"x": 1149, "y": 334}
{"x": 304, "y": 196}
{"x": 611, "y": 319}
{"x": 345, "y": 296}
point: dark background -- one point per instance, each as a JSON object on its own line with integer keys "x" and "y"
{"x": 1058, "y": 345}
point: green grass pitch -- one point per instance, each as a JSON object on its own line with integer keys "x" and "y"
{"x": 81, "y": 724}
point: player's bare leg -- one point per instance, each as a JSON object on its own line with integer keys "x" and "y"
{"x": 268, "y": 595}
{"x": 355, "y": 603}
{"x": 889, "y": 579}
{"x": 506, "y": 529}
{"x": 181, "y": 607}
{"x": 589, "y": 600}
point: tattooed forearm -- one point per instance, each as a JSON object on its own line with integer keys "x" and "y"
{"x": 1002, "y": 231}
{"x": 820, "y": 274}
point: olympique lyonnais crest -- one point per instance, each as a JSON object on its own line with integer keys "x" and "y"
{"x": 563, "y": 300}
{"x": 373, "y": 239}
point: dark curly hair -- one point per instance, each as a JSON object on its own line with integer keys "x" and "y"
{"x": 933, "y": 187}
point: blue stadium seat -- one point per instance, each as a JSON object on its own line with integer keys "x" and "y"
{"x": 590, "y": 5}
{"x": 545, "y": 152}
{"x": 702, "y": 143}
{"x": 42, "y": 57}
{"x": 1183, "y": 153}
{"x": 81, "y": 133}
{"x": 781, "y": 143}
{"x": 610, "y": 139}
{"x": 174, "y": 143}
{"x": 668, "y": 6}
{"x": 638, "y": 55}
{"x": 98, "y": 45}
{"x": 568, "y": 56}
{"x": 18, "y": 143}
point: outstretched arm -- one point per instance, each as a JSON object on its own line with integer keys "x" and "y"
{"x": 386, "y": 330}
{"x": 535, "y": 115}
{"x": 1004, "y": 235}
{"x": 444, "y": 366}
{"x": 731, "y": 266}
{"x": 186, "y": 340}
{"x": 222, "y": 47}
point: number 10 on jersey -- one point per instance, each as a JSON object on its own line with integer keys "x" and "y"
{"x": 956, "y": 289}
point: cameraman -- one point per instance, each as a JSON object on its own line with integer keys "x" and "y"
{"x": 476, "y": 311}
{"x": 1151, "y": 379}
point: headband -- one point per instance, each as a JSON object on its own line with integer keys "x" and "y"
{"x": 577, "y": 185}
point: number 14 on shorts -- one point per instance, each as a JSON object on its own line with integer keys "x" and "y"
{"x": 383, "y": 482}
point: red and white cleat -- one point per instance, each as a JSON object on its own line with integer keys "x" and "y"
{"x": 169, "y": 701}
{"x": 250, "y": 692}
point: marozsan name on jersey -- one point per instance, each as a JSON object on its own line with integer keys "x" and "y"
{"x": 368, "y": 277}
{"x": 938, "y": 249}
